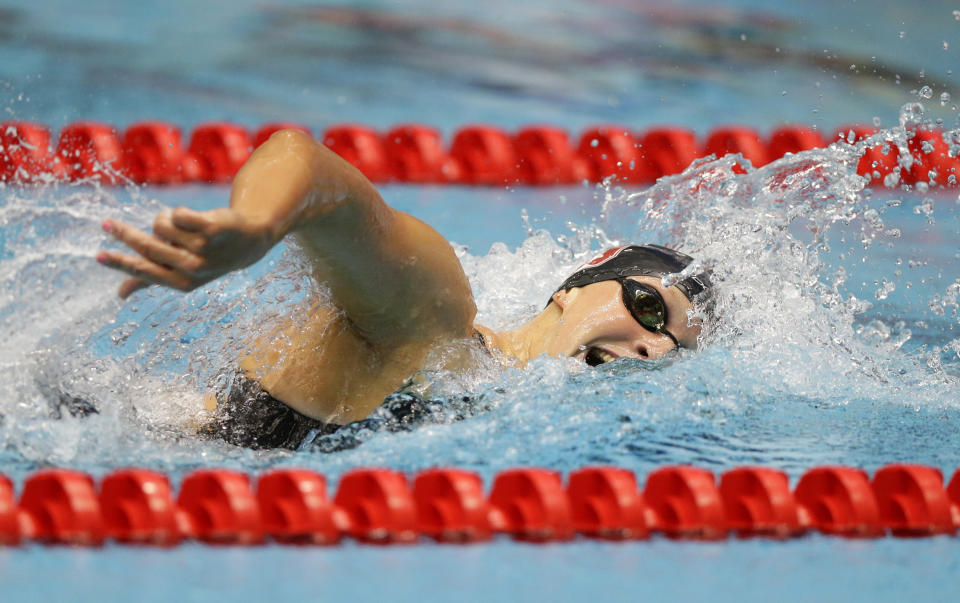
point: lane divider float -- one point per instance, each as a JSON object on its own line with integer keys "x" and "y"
{"x": 153, "y": 152}
{"x": 218, "y": 506}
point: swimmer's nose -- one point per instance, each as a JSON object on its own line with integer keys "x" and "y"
{"x": 650, "y": 346}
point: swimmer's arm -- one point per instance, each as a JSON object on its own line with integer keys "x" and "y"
{"x": 392, "y": 274}
{"x": 190, "y": 248}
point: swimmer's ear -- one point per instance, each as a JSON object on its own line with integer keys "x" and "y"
{"x": 563, "y": 296}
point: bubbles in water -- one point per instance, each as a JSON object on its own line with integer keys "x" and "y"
{"x": 956, "y": 15}
{"x": 945, "y": 45}
{"x": 944, "y": 99}
{"x": 925, "y": 92}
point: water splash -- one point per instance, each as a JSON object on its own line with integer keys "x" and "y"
{"x": 782, "y": 303}
{"x": 807, "y": 318}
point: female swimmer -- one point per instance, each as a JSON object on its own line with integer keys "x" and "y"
{"x": 397, "y": 288}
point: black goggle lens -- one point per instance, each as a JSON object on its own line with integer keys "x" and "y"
{"x": 645, "y": 304}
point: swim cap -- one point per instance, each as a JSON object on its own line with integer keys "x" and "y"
{"x": 637, "y": 260}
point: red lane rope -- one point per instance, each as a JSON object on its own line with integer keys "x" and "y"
{"x": 153, "y": 152}
{"x": 449, "y": 505}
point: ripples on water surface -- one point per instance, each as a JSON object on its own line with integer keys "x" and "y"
{"x": 836, "y": 337}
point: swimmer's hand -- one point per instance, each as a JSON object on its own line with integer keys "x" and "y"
{"x": 187, "y": 248}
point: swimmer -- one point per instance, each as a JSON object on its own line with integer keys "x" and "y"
{"x": 397, "y": 288}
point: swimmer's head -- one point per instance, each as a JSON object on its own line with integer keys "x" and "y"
{"x": 616, "y": 306}
{"x": 638, "y": 260}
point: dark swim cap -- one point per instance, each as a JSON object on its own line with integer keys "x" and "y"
{"x": 637, "y": 260}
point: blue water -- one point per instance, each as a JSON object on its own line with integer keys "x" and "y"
{"x": 817, "y": 568}
{"x": 800, "y": 372}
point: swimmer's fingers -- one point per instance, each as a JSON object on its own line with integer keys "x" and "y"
{"x": 155, "y": 249}
{"x": 145, "y": 271}
{"x": 165, "y": 227}
{"x": 190, "y": 220}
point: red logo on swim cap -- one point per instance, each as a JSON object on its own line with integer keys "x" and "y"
{"x": 606, "y": 256}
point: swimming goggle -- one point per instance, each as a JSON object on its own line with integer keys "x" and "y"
{"x": 647, "y": 307}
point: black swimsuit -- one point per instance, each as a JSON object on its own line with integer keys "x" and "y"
{"x": 248, "y": 416}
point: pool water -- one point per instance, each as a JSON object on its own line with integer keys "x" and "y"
{"x": 838, "y": 340}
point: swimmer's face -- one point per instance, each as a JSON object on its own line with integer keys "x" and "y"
{"x": 597, "y": 327}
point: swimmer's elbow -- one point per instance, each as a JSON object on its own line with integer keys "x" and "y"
{"x": 292, "y": 180}
{"x": 290, "y": 138}
{"x": 287, "y": 153}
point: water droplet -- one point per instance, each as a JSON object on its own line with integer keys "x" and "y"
{"x": 902, "y": 35}
{"x": 886, "y": 288}
{"x": 783, "y": 93}
{"x": 956, "y": 15}
{"x": 945, "y": 98}
{"x": 925, "y": 208}
{"x": 853, "y": 67}
{"x": 925, "y": 92}
{"x": 911, "y": 114}
{"x": 877, "y": 122}
{"x": 743, "y": 37}
{"x": 946, "y": 45}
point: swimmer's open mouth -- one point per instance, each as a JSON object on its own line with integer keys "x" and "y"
{"x": 596, "y": 357}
